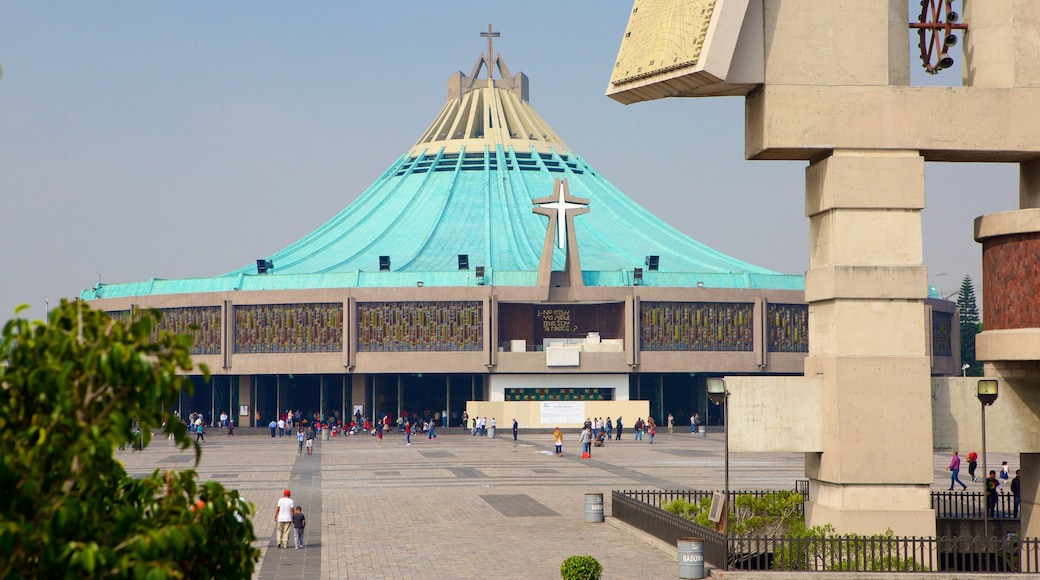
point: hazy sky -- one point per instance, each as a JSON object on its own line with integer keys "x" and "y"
{"x": 187, "y": 139}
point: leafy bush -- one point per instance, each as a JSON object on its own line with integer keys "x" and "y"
{"x": 821, "y": 549}
{"x": 778, "y": 513}
{"x": 697, "y": 512}
{"x": 770, "y": 514}
{"x": 581, "y": 568}
{"x": 72, "y": 390}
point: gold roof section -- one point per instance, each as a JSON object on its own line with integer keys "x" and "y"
{"x": 687, "y": 48}
{"x": 488, "y": 112}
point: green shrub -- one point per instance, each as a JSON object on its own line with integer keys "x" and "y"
{"x": 581, "y": 568}
{"x": 697, "y": 512}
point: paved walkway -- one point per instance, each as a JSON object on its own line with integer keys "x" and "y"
{"x": 462, "y": 506}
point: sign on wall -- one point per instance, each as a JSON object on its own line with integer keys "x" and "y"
{"x": 554, "y": 412}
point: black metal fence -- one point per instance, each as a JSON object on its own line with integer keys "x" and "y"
{"x": 971, "y": 505}
{"x": 641, "y": 509}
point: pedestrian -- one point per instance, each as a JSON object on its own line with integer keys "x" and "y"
{"x": 619, "y": 426}
{"x": 379, "y": 433}
{"x": 610, "y": 428}
{"x": 955, "y": 470}
{"x": 671, "y": 423}
{"x": 558, "y": 441}
{"x": 586, "y": 440}
{"x": 992, "y": 489}
{"x": 200, "y": 431}
{"x": 283, "y": 515}
{"x": 407, "y": 432}
{"x": 310, "y": 440}
{"x": 281, "y": 427}
{"x": 652, "y": 431}
{"x": 299, "y": 522}
{"x": 639, "y": 428}
{"x": 1016, "y": 491}
{"x": 299, "y": 439}
{"x": 693, "y": 423}
{"x": 1004, "y": 471}
{"x": 274, "y": 427}
{"x": 432, "y": 433}
{"x": 973, "y": 462}
{"x": 516, "y": 428}
{"x": 465, "y": 419}
{"x": 231, "y": 427}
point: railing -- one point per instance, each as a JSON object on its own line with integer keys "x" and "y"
{"x": 641, "y": 509}
{"x": 971, "y": 505}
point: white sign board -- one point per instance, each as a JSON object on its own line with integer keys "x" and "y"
{"x": 555, "y": 412}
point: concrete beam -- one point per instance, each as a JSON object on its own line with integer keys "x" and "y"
{"x": 943, "y": 123}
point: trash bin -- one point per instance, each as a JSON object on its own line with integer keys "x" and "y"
{"x": 691, "y": 557}
{"x": 702, "y": 431}
{"x": 325, "y": 434}
{"x": 593, "y": 508}
{"x": 491, "y": 432}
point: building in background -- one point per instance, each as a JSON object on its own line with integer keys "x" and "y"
{"x": 489, "y": 267}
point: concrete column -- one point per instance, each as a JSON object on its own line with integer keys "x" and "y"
{"x": 1029, "y": 463}
{"x": 866, "y": 287}
{"x": 1029, "y": 184}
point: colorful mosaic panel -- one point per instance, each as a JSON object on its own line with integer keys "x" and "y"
{"x": 591, "y": 394}
{"x": 787, "y": 327}
{"x": 420, "y": 326}
{"x": 120, "y": 315}
{"x": 942, "y": 334}
{"x": 291, "y": 328}
{"x": 697, "y": 326}
{"x": 201, "y": 322}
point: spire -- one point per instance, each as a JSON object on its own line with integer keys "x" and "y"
{"x": 490, "y": 59}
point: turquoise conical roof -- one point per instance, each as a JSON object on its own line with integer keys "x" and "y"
{"x": 467, "y": 188}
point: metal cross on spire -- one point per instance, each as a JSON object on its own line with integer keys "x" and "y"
{"x": 490, "y": 53}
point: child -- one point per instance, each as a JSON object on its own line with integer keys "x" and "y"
{"x": 299, "y": 522}
{"x": 1004, "y": 471}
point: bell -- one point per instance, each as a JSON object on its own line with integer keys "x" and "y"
{"x": 945, "y": 62}
{"x": 950, "y": 40}
{"x": 952, "y": 17}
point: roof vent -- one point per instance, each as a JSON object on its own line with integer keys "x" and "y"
{"x": 463, "y": 261}
{"x": 384, "y": 263}
{"x": 264, "y": 266}
{"x": 653, "y": 262}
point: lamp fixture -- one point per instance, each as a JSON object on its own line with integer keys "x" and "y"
{"x": 987, "y": 391}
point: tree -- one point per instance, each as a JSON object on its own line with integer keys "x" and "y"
{"x": 970, "y": 326}
{"x": 72, "y": 389}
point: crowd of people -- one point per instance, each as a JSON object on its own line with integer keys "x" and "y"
{"x": 993, "y": 486}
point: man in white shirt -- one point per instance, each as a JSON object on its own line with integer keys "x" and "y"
{"x": 283, "y": 515}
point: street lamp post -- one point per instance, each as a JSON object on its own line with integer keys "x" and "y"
{"x": 987, "y": 394}
{"x": 718, "y": 394}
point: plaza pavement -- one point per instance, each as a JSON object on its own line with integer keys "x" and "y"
{"x": 462, "y": 506}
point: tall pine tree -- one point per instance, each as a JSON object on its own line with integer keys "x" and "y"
{"x": 970, "y": 326}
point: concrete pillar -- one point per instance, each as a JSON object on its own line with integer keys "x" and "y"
{"x": 245, "y": 397}
{"x": 866, "y": 287}
{"x": 1029, "y": 184}
{"x": 1029, "y": 463}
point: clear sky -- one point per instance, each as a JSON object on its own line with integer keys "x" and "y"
{"x": 187, "y": 139}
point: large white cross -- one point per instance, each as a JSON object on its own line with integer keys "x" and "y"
{"x": 560, "y": 206}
